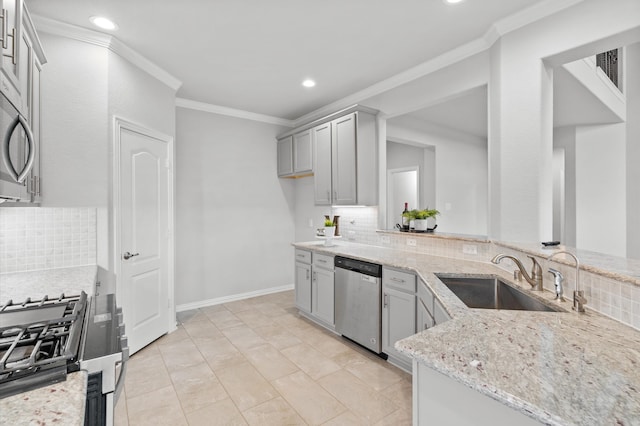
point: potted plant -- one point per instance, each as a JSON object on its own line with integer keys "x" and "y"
{"x": 329, "y": 228}
{"x": 425, "y": 219}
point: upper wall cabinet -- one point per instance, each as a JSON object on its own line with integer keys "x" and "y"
{"x": 340, "y": 151}
{"x": 345, "y": 160}
{"x": 295, "y": 155}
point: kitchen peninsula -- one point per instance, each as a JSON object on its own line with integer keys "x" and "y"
{"x": 551, "y": 368}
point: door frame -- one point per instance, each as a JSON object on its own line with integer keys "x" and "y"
{"x": 119, "y": 124}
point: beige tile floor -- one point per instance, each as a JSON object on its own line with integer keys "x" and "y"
{"x": 258, "y": 362}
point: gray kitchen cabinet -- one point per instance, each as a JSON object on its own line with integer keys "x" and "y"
{"x": 295, "y": 155}
{"x": 303, "y": 280}
{"x": 302, "y": 152}
{"x": 424, "y": 314}
{"x": 322, "y": 164}
{"x": 285, "y": 156}
{"x": 20, "y": 70}
{"x": 440, "y": 315}
{"x": 398, "y": 313}
{"x": 437, "y": 400}
{"x": 424, "y": 319}
{"x": 322, "y": 289}
{"x": 345, "y": 160}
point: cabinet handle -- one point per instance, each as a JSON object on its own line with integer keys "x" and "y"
{"x": 3, "y": 34}
{"x": 13, "y": 55}
{"x": 307, "y": 274}
{"x": 322, "y": 261}
{"x": 398, "y": 280}
{"x": 335, "y": 195}
{"x": 329, "y": 195}
{"x": 315, "y": 276}
{"x": 385, "y": 300}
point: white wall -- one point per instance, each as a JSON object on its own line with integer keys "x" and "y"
{"x": 461, "y": 174}
{"x": 601, "y": 189}
{"x": 75, "y": 144}
{"x": 632, "y": 92}
{"x": 564, "y": 138}
{"x": 83, "y": 86}
{"x": 234, "y": 218}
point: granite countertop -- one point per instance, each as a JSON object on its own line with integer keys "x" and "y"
{"x": 60, "y": 404}
{"x": 558, "y": 368}
{"x": 18, "y": 286}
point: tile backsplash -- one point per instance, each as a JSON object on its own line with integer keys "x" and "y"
{"x": 35, "y": 238}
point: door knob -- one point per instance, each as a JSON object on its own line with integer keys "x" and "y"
{"x": 128, "y": 255}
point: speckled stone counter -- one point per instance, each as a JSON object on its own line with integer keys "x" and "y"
{"x": 58, "y": 404}
{"x": 51, "y": 282}
{"x": 558, "y": 368}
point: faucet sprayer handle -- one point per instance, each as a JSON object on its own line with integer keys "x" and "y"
{"x": 557, "y": 282}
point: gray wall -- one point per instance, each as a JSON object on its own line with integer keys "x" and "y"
{"x": 234, "y": 217}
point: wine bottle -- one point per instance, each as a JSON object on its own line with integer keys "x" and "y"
{"x": 405, "y": 218}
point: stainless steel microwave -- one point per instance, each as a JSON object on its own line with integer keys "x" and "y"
{"x": 17, "y": 152}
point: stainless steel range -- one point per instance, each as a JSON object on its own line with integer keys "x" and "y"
{"x": 44, "y": 340}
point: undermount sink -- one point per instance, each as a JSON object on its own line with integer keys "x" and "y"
{"x": 492, "y": 293}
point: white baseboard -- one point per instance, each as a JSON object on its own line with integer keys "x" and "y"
{"x": 232, "y": 298}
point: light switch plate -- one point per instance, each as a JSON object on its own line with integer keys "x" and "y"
{"x": 411, "y": 242}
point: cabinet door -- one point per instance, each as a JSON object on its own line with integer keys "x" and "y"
{"x": 302, "y": 152}
{"x": 322, "y": 296}
{"x": 285, "y": 156}
{"x": 321, "y": 136}
{"x": 303, "y": 287}
{"x": 398, "y": 318}
{"x": 424, "y": 321}
{"x": 343, "y": 151}
{"x": 10, "y": 60}
{"x": 439, "y": 313}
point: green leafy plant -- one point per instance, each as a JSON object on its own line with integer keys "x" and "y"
{"x": 421, "y": 214}
{"x": 411, "y": 214}
{"x": 328, "y": 223}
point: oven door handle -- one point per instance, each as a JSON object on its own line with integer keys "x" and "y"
{"x": 20, "y": 176}
{"x": 123, "y": 369}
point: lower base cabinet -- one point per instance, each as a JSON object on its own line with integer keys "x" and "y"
{"x": 398, "y": 313}
{"x": 441, "y": 400}
{"x": 322, "y": 295}
{"x": 303, "y": 286}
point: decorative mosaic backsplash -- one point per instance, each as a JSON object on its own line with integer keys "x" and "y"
{"x": 34, "y": 238}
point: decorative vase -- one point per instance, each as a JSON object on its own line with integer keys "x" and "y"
{"x": 421, "y": 224}
{"x": 431, "y": 222}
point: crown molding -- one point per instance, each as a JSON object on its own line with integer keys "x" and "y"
{"x": 451, "y": 57}
{"x": 504, "y": 26}
{"x": 51, "y": 26}
{"x": 232, "y": 112}
{"x": 531, "y": 14}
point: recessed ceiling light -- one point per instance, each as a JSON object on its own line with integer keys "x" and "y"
{"x": 104, "y": 23}
{"x": 308, "y": 83}
{"x": 453, "y": 1}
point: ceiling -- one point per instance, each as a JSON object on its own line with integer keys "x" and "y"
{"x": 252, "y": 55}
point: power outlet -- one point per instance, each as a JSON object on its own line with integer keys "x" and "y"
{"x": 469, "y": 249}
{"x": 385, "y": 239}
{"x": 411, "y": 242}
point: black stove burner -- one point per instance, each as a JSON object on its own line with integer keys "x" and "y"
{"x": 39, "y": 342}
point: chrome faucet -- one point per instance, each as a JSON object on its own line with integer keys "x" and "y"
{"x": 557, "y": 282}
{"x": 578, "y": 295}
{"x": 535, "y": 280}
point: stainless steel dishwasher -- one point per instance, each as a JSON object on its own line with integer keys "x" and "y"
{"x": 358, "y": 290}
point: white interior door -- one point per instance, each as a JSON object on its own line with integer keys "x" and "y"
{"x": 145, "y": 235}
